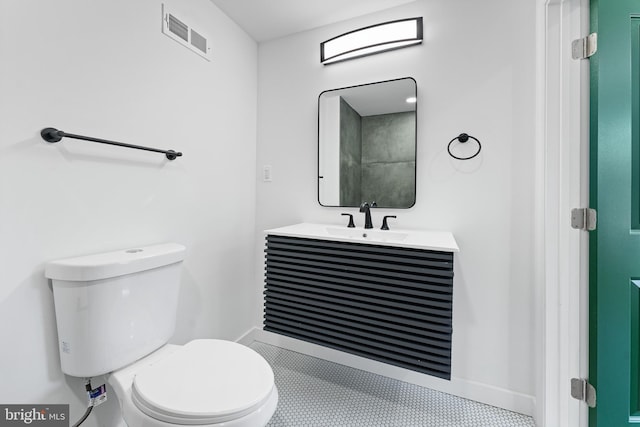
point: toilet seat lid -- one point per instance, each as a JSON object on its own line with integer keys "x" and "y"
{"x": 204, "y": 382}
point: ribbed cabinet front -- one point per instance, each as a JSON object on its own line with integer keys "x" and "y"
{"x": 386, "y": 303}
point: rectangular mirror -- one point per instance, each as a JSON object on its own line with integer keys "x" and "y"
{"x": 367, "y": 145}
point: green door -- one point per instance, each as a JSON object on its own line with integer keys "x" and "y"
{"x": 615, "y": 193}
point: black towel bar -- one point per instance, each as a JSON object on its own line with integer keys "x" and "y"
{"x": 54, "y": 135}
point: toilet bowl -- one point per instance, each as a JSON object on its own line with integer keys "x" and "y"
{"x": 205, "y": 382}
{"x": 115, "y": 313}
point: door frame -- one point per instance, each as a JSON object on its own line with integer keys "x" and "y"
{"x": 562, "y": 122}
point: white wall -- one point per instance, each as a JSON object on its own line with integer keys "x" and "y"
{"x": 104, "y": 69}
{"x": 475, "y": 73}
{"x": 329, "y": 152}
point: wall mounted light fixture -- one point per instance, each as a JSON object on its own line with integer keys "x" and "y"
{"x": 371, "y": 40}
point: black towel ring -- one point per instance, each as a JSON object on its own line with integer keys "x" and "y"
{"x": 463, "y": 137}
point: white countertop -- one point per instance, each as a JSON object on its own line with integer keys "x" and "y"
{"x": 419, "y": 239}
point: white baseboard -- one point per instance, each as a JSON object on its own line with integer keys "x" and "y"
{"x": 484, "y": 393}
{"x": 249, "y": 336}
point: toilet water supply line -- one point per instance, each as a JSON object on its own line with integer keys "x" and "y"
{"x": 87, "y": 387}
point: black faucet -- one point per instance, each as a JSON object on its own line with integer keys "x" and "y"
{"x": 385, "y": 226}
{"x": 364, "y": 207}
{"x": 351, "y": 223}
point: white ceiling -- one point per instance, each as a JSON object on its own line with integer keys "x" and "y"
{"x": 378, "y": 98}
{"x": 270, "y": 19}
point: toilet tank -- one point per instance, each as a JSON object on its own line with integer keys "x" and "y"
{"x": 114, "y": 308}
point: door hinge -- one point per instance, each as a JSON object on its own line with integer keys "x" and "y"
{"x": 582, "y": 390}
{"x": 585, "y": 47}
{"x": 584, "y": 219}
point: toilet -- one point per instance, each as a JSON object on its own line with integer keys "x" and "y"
{"x": 115, "y": 313}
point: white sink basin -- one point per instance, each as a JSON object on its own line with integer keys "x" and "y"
{"x": 420, "y": 239}
{"x": 370, "y": 235}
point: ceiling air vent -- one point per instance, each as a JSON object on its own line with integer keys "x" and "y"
{"x": 183, "y": 33}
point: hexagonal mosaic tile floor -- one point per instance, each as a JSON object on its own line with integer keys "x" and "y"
{"x": 316, "y": 393}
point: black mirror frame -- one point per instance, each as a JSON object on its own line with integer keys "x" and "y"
{"x": 415, "y": 169}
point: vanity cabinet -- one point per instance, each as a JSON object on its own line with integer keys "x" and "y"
{"x": 387, "y": 303}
